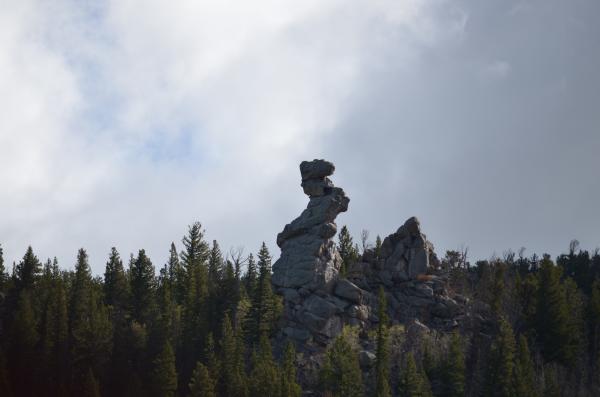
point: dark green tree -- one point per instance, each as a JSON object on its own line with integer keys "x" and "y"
{"x": 176, "y": 275}
{"x": 164, "y": 373}
{"x": 524, "y": 374}
{"x": 552, "y": 320}
{"x": 142, "y": 288}
{"x": 27, "y": 271}
{"x": 348, "y": 251}
{"x": 413, "y": 382}
{"x": 54, "y": 339}
{"x": 453, "y": 372}
{"x": 382, "y": 365}
{"x": 341, "y": 375}
{"x": 232, "y": 366}
{"x": 593, "y": 321}
{"x": 265, "y": 305}
{"x": 3, "y": 273}
{"x": 501, "y": 363}
{"x": 289, "y": 386}
{"x": 196, "y": 251}
{"x": 202, "y": 383}
{"x": 264, "y": 377}
{"x": 115, "y": 282}
{"x": 250, "y": 280}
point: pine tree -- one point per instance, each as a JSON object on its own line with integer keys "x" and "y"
{"x": 264, "y": 377}
{"x": 524, "y": 371}
{"x": 164, "y": 372}
{"x": 552, "y": 317}
{"x": 593, "y": 321}
{"x": 382, "y": 366}
{"x": 202, "y": 383}
{"x": 232, "y": 368}
{"x": 115, "y": 282}
{"x": 454, "y": 369}
{"x": 265, "y": 305}
{"x": 341, "y": 375}
{"x": 196, "y": 250}
{"x": 55, "y": 338}
{"x": 176, "y": 275}
{"x": 500, "y": 380}
{"x": 289, "y": 387}
{"x": 412, "y": 381}
{"x": 215, "y": 265}
{"x": 27, "y": 271}
{"x": 346, "y": 248}
{"x": 90, "y": 386}
{"x": 80, "y": 290}
{"x": 91, "y": 328}
{"x": 195, "y": 323}
{"x": 3, "y": 274}
{"x": 498, "y": 288}
{"x": 251, "y": 276}
{"x": 142, "y": 288}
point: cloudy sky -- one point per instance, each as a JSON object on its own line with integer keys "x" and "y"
{"x": 121, "y": 122}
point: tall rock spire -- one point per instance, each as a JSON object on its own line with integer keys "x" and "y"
{"x": 309, "y": 259}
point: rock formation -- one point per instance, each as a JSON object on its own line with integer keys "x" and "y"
{"x": 309, "y": 259}
{"x": 318, "y": 301}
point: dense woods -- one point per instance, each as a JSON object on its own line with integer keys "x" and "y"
{"x": 203, "y": 324}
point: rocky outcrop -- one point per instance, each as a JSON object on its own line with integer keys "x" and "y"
{"x": 318, "y": 301}
{"x": 309, "y": 259}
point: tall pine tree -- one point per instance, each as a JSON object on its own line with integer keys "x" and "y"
{"x": 382, "y": 366}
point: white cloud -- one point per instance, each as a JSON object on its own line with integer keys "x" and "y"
{"x": 127, "y": 120}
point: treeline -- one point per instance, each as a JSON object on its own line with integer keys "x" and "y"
{"x": 201, "y": 326}
{"x": 197, "y": 328}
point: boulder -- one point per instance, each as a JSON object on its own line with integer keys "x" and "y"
{"x": 347, "y": 290}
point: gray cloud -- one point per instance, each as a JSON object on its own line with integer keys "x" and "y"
{"x": 130, "y": 122}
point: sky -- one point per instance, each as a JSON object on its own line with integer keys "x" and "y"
{"x": 122, "y": 122}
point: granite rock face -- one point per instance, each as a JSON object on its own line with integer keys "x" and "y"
{"x": 318, "y": 302}
{"x": 309, "y": 258}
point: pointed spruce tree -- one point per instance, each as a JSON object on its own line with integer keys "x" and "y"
{"x": 202, "y": 384}
{"x": 499, "y": 377}
{"x": 115, "y": 282}
{"x": 27, "y": 271}
{"x": 265, "y": 305}
{"x": 164, "y": 374}
{"x": 382, "y": 365}
{"x": 524, "y": 375}
{"x": 413, "y": 382}
{"x": 453, "y": 371}
{"x": 143, "y": 288}
{"x": 347, "y": 249}
{"x": 551, "y": 316}
{"x": 264, "y": 376}
{"x": 341, "y": 375}
{"x": 289, "y": 386}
